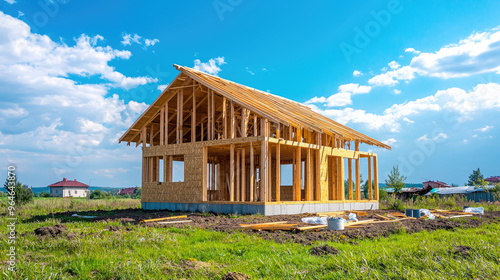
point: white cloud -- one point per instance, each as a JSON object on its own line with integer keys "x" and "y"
{"x": 412, "y": 50}
{"x": 128, "y": 39}
{"x": 249, "y": 71}
{"x": 19, "y": 14}
{"x": 342, "y": 97}
{"x": 408, "y": 120}
{"x": 394, "y": 65}
{"x": 478, "y": 53}
{"x": 110, "y": 172}
{"x": 152, "y": 42}
{"x": 440, "y": 136}
{"x": 357, "y": 73}
{"x": 396, "y": 91}
{"x": 423, "y": 138}
{"x": 484, "y": 129}
{"x": 390, "y": 141}
{"x": 210, "y": 67}
{"x": 10, "y": 1}
{"x": 13, "y": 111}
{"x": 162, "y": 87}
{"x": 66, "y": 117}
{"x": 466, "y": 104}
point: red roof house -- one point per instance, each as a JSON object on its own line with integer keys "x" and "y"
{"x": 436, "y": 184}
{"x": 69, "y": 188}
{"x": 129, "y": 191}
{"x": 493, "y": 180}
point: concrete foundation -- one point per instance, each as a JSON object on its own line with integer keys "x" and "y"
{"x": 267, "y": 210}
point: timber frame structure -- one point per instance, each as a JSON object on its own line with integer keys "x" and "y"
{"x": 233, "y": 141}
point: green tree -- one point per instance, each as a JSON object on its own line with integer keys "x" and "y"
{"x": 475, "y": 177}
{"x": 137, "y": 193}
{"x": 22, "y": 193}
{"x": 97, "y": 194}
{"x": 44, "y": 194}
{"x": 395, "y": 180}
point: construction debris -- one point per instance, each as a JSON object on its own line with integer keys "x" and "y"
{"x": 281, "y": 226}
{"x": 175, "y": 222}
{"x": 161, "y": 219}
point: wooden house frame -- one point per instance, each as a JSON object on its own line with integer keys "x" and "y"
{"x": 233, "y": 141}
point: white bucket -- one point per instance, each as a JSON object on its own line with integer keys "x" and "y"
{"x": 335, "y": 224}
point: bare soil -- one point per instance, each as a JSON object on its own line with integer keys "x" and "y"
{"x": 220, "y": 222}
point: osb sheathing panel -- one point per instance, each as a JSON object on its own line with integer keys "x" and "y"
{"x": 286, "y": 193}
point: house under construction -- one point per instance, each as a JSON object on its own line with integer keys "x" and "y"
{"x": 233, "y": 141}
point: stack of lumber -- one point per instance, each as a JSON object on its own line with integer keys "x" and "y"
{"x": 447, "y": 214}
{"x": 281, "y": 226}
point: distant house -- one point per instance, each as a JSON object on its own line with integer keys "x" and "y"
{"x": 436, "y": 184}
{"x": 493, "y": 180}
{"x": 69, "y": 188}
{"x": 129, "y": 191}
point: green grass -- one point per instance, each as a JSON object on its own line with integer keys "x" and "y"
{"x": 158, "y": 253}
{"x": 454, "y": 202}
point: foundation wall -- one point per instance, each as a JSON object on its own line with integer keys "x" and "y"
{"x": 263, "y": 209}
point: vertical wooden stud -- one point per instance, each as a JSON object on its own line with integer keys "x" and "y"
{"x": 231, "y": 173}
{"x": 252, "y": 173}
{"x": 243, "y": 177}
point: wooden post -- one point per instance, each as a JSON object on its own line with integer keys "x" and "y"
{"x": 151, "y": 136}
{"x": 278, "y": 171}
{"x": 193, "y": 118}
{"x": 243, "y": 122}
{"x": 166, "y": 124}
{"x": 209, "y": 116}
{"x": 205, "y": 173}
{"x": 178, "y": 117}
{"x": 318, "y": 175}
{"x": 219, "y": 181}
{"x": 349, "y": 170}
{"x": 342, "y": 179}
{"x": 144, "y": 170}
{"x": 233, "y": 122}
{"x": 243, "y": 177}
{"x": 252, "y": 174}
{"x": 238, "y": 177}
{"x": 375, "y": 175}
{"x": 157, "y": 169}
{"x": 370, "y": 178}
{"x": 224, "y": 117}
{"x": 358, "y": 176}
{"x": 307, "y": 176}
{"x": 263, "y": 172}
{"x": 165, "y": 169}
{"x": 143, "y": 136}
{"x": 162, "y": 126}
{"x": 212, "y": 114}
{"x": 298, "y": 175}
{"x": 231, "y": 173}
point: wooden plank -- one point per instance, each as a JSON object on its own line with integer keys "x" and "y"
{"x": 262, "y": 224}
{"x": 254, "y": 125}
{"x": 318, "y": 176}
{"x": 175, "y": 222}
{"x": 333, "y": 213}
{"x": 231, "y": 173}
{"x": 383, "y": 217}
{"x": 233, "y": 121}
{"x": 224, "y": 117}
{"x": 193, "y": 118}
{"x": 162, "y": 126}
{"x": 238, "y": 175}
{"x": 278, "y": 172}
{"x": 303, "y": 228}
{"x": 166, "y": 132}
{"x": 298, "y": 175}
{"x": 209, "y": 115}
{"x": 163, "y": 219}
{"x": 144, "y": 170}
{"x": 370, "y": 178}
{"x": 243, "y": 122}
{"x": 375, "y": 175}
{"x": 252, "y": 174}
{"x": 307, "y": 176}
{"x": 243, "y": 177}
{"x": 178, "y": 118}
{"x": 358, "y": 174}
{"x": 205, "y": 173}
{"x": 263, "y": 172}
{"x": 342, "y": 179}
{"x": 349, "y": 171}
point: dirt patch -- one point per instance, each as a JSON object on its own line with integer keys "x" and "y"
{"x": 51, "y": 231}
{"x": 462, "y": 251}
{"x": 235, "y": 276}
{"x": 113, "y": 228}
{"x": 324, "y": 250}
{"x": 196, "y": 265}
{"x": 229, "y": 223}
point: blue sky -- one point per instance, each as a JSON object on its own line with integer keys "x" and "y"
{"x": 423, "y": 76}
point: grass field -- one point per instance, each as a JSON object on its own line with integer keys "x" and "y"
{"x": 138, "y": 252}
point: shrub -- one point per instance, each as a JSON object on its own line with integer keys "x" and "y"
{"x": 22, "y": 193}
{"x": 382, "y": 194}
{"x": 97, "y": 194}
{"x": 395, "y": 204}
